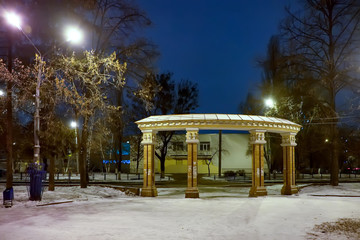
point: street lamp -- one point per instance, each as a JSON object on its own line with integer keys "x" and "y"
{"x": 73, "y": 34}
{"x": 74, "y": 125}
{"x": 2, "y": 93}
{"x": 269, "y": 102}
{"x": 15, "y": 20}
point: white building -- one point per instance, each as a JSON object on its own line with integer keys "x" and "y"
{"x": 235, "y": 154}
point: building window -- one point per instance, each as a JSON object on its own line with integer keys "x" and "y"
{"x": 178, "y": 146}
{"x": 204, "y": 146}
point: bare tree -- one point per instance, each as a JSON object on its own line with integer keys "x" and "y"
{"x": 159, "y": 94}
{"x": 325, "y": 37}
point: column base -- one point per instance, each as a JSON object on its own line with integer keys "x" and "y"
{"x": 149, "y": 192}
{"x": 257, "y": 191}
{"x": 192, "y": 193}
{"x": 289, "y": 189}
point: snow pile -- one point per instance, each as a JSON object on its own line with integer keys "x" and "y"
{"x": 62, "y": 194}
{"x": 345, "y": 189}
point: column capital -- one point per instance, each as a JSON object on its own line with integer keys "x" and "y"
{"x": 148, "y": 137}
{"x": 192, "y": 135}
{"x": 257, "y": 136}
{"x": 288, "y": 139}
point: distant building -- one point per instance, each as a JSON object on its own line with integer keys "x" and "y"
{"x": 236, "y": 154}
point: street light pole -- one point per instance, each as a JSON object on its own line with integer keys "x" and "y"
{"x": 73, "y": 35}
{"x": 37, "y": 114}
{"x": 269, "y": 103}
{"x": 15, "y": 20}
{"x": 75, "y": 126}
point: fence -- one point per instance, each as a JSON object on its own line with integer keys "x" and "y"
{"x": 239, "y": 176}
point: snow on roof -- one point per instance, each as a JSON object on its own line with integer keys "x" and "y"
{"x": 217, "y": 121}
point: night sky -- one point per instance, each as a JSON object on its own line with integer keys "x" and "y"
{"x": 215, "y": 44}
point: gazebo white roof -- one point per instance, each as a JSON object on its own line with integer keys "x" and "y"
{"x": 217, "y": 122}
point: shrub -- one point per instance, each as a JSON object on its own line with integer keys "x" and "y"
{"x": 229, "y": 174}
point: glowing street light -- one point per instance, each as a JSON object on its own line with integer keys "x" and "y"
{"x": 13, "y": 19}
{"x": 269, "y": 103}
{"x": 2, "y": 93}
{"x": 73, "y": 35}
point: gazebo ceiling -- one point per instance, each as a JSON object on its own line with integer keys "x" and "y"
{"x": 217, "y": 122}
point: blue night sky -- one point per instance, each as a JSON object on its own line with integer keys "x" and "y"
{"x": 215, "y": 44}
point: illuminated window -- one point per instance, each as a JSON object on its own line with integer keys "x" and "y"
{"x": 204, "y": 146}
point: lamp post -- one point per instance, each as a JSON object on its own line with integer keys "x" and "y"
{"x": 72, "y": 35}
{"x": 269, "y": 103}
{"x": 15, "y": 20}
{"x": 74, "y": 125}
{"x": 9, "y": 130}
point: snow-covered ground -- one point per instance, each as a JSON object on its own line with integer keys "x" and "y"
{"x": 220, "y": 213}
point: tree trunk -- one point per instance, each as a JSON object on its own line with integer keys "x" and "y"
{"x": 9, "y": 145}
{"x": 120, "y": 126}
{"x": 9, "y": 132}
{"x": 220, "y": 152}
{"x": 88, "y": 145}
{"x": 208, "y": 165}
{"x": 334, "y": 176}
{"x": 120, "y": 149}
{"x": 162, "y": 167}
{"x": 52, "y": 173}
{"x": 83, "y": 153}
{"x": 267, "y": 159}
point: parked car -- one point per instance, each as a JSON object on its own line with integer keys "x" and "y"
{"x": 352, "y": 170}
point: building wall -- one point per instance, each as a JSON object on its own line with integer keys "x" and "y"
{"x": 235, "y": 155}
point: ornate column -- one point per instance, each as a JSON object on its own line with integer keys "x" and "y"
{"x": 149, "y": 189}
{"x": 257, "y": 140}
{"x": 288, "y": 144}
{"x": 192, "y": 140}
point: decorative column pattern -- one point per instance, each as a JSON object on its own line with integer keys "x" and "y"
{"x": 192, "y": 140}
{"x": 288, "y": 144}
{"x": 257, "y": 140}
{"x": 149, "y": 189}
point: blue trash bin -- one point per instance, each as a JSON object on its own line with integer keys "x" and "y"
{"x": 8, "y": 197}
{"x": 36, "y": 183}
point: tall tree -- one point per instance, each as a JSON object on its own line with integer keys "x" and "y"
{"x": 108, "y": 25}
{"x": 292, "y": 87}
{"x": 160, "y": 95}
{"x": 13, "y": 75}
{"x": 326, "y": 36}
{"x": 82, "y": 83}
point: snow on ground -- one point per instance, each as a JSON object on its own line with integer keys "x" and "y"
{"x": 220, "y": 213}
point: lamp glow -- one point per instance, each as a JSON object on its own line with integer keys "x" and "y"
{"x": 269, "y": 103}
{"x": 73, "y": 124}
{"x": 73, "y": 35}
{"x": 13, "y": 19}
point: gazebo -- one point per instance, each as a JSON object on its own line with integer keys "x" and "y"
{"x": 192, "y": 123}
